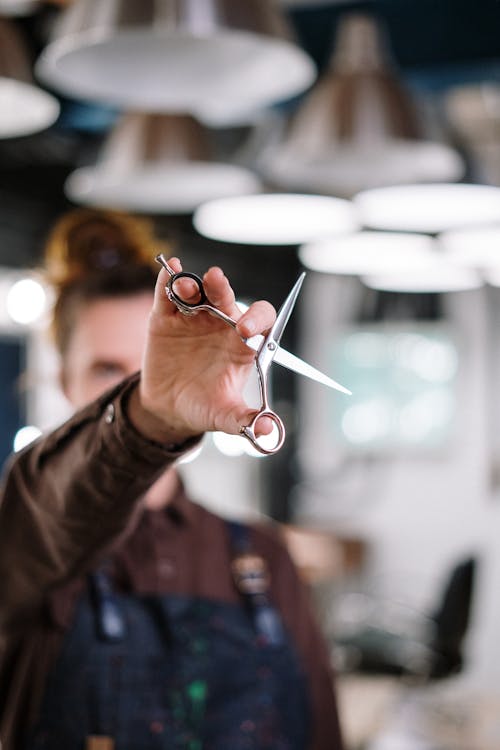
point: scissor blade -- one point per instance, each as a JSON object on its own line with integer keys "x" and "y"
{"x": 286, "y": 310}
{"x": 289, "y": 360}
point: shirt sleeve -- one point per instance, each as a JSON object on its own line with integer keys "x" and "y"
{"x": 66, "y": 498}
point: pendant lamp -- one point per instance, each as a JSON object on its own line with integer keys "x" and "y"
{"x": 492, "y": 276}
{"x": 360, "y": 253}
{"x": 439, "y": 277}
{"x": 474, "y": 116}
{"x": 213, "y": 58}
{"x": 155, "y": 163}
{"x": 24, "y": 107}
{"x": 274, "y": 218}
{"x": 428, "y": 208}
{"x": 357, "y": 128}
{"x": 473, "y": 247}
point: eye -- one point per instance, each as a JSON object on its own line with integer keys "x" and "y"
{"x": 108, "y": 370}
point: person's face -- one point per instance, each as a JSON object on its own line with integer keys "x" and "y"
{"x": 106, "y": 346}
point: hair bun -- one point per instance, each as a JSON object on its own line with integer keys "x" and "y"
{"x": 87, "y": 242}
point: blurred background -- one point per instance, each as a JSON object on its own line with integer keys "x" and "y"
{"x": 359, "y": 141}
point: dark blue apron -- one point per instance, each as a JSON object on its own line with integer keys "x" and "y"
{"x": 176, "y": 672}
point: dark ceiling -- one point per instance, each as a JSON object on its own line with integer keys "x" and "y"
{"x": 436, "y": 44}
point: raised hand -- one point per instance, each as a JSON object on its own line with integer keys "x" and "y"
{"x": 195, "y": 367}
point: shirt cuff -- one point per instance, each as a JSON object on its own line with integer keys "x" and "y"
{"x": 115, "y": 413}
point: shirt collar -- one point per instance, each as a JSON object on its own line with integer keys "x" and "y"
{"x": 180, "y": 508}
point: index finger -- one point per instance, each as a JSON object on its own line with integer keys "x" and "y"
{"x": 259, "y": 317}
{"x": 220, "y": 293}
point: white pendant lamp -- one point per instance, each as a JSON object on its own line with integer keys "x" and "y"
{"x": 24, "y": 107}
{"x": 439, "y": 277}
{"x": 473, "y": 247}
{"x": 274, "y": 218}
{"x": 428, "y": 208}
{"x": 221, "y": 57}
{"x": 476, "y": 248}
{"x": 157, "y": 164}
{"x": 361, "y": 253}
{"x": 390, "y": 261}
{"x": 492, "y": 276}
{"x": 357, "y": 128}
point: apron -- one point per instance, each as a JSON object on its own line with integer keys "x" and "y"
{"x": 169, "y": 671}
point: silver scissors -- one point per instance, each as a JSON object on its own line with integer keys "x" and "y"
{"x": 267, "y": 349}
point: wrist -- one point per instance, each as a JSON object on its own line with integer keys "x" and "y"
{"x": 153, "y": 427}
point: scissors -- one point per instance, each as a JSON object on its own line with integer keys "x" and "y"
{"x": 267, "y": 349}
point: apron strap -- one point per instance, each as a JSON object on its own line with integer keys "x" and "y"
{"x": 110, "y": 619}
{"x": 251, "y": 577}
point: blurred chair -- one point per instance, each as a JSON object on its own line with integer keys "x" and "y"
{"x": 385, "y": 637}
{"x": 451, "y": 620}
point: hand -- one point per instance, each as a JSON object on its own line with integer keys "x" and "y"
{"x": 195, "y": 367}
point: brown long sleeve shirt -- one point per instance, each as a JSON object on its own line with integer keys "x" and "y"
{"x": 71, "y": 499}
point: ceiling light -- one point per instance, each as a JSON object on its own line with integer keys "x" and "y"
{"x": 474, "y": 247}
{"x": 157, "y": 164}
{"x": 357, "y": 128}
{"x": 224, "y": 56}
{"x": 26, "y": 301}
{"x": 24, "y": 436}
{"x": 24, "y": 108}
{"x": 274, "y": 218}
{"x": 428, "y": 208}
{"x": 439, "y": 277}
{"x": 369, "y": 252}
{"x": 492, "y": 276}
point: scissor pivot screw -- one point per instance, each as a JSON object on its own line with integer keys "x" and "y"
{"x": 271, "y": 346}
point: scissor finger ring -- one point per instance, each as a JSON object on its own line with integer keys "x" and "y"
{"x": 258, "y": 442}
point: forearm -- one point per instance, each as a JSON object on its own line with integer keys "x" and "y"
{"x": 67, "y": 498}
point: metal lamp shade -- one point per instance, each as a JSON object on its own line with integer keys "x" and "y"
{"x": 24, "y": 108}
{"x": 357, "y": 128}
{"x": 474, "y": 116}
{"x": 157, "y": 164}
{"x": 215, "y": 59}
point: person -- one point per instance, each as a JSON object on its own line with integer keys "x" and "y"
{"x": 130, "y": 616}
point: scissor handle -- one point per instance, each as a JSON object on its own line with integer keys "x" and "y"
{"x": 201, "y": 297}
{"x": 200, "y": 303}
{"x": 249, "y": 432}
